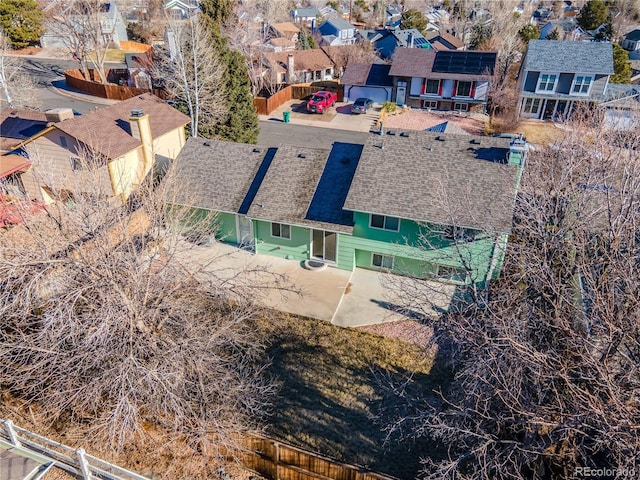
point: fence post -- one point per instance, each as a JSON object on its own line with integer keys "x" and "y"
{"x": 12, "y": 433}
{"x": 84, "y": 466}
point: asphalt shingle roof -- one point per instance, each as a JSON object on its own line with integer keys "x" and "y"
{"x": 455, "y": 64}
{"x": 288, "y": 190}
{"x": 218, "y": 175}
{"x": 303, "y": 60}
{"x": 340, "y": 24}
{"x": 106, "y": 130}
{"x": 569, "y": 57}
{"x": 367, "y": 74}
{"x": 440, "y": 178}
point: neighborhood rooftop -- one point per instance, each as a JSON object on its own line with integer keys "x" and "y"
{"x": 106, "y": 131}
{"x": 367, "y": 74}
{"x": 440, "y": 178}
{"x": 428, "y": 63}
{"x": 569, "y": 56}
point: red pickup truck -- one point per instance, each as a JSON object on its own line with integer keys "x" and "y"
{"x": 321, "y": 101}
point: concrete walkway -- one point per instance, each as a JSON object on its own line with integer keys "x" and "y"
{"x": 347, "y": 299}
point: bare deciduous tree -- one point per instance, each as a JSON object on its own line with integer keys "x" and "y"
{"x": 17, "y": 88}
{"x": 81, "y": 27}
{"x": 118, "y": 326}
{"x": 191, "y": 72}
{"x": 545, "y": 372}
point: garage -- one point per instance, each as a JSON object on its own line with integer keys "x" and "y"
{"x": 378, "y": 94}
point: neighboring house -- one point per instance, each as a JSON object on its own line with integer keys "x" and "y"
{"x": 444, "y": 41}
{"x": 385, "y": 42}
{"x": 138, "y": 70}
{"x": 107, "y": 152}
{"x": 298, "y": 66}
{"x": 305, "y": 15}
{"x": 555, "y": 76}
{"x": 337, "y": 31}
{"x": 631, "y": 40}
{"x": 16, "y": 126}
{"x": 286, "y": 30}
{"x": 568, "y": 29}
{"x": 370, "y": 206}
{"x": 181, "y": 9}
{"x": 621, "y": 104}
{"x": 393, "y": 16}
{"x": 369, "y": 81}
{"x": 280, "y": 44}
{"x": 112, "y": 27}
{"x": 443, "y": 80}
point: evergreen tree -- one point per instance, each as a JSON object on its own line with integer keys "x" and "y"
{"x": 413, "y": 19}
{"x": 621, "y": 65}
{"x": 21, "y": 21}
{"x": 240, "y": 124}
{"x": 554, "y": 34}
{"x": 304, "y": 40}
{"x": 593, "y": 14}
{"x": 479, "y": 34}
{"x": 528, "y": 32}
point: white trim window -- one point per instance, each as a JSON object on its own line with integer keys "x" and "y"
{"x": 432, "y": 86}
{"x": 281, "y": 230}
{"x": 531, "y": 106}
{"x": 383, "y": 222}
{"x": 378, "y": 260}
{"x": 581, "y": 84}
{"x": 461, "y": 107}
{"x": 463, "y": 89}
{"x": 431, "y": 104}
{"x": 547, "y": 83}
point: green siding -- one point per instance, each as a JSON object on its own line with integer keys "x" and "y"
{"x": 297, "y": 248}
{"x": 227, "y": 227}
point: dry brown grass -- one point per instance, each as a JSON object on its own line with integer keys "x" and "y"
{"x": 331, "y": 390}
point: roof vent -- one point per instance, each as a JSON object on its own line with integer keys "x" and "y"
{"x": 440, "y": 138}
{"x": 302, "y": 155}
{"x": 391, "y": 132}
{"x": 405, "y": 134}
{"x": 207, "y": 144}
{"x": 475, "y": 141}
{"x": 137, "y": 113}
{"x": 256, "y": 150}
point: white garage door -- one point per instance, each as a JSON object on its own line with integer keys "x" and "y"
{"x": 377, "y": 94}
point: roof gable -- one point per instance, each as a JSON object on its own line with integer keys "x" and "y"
{"x": 367, "y": 74}
{"x": 569, "y": 57}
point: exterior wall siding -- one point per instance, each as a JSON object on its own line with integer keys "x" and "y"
{"x": 296, "y": 248}
{"x": 599, "y": 85}
{"x": 226, "y": 227}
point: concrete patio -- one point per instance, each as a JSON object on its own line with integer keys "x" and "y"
{"x": 347, "y": 299}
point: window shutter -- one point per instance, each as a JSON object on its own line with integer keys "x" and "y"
{"x": 439, "y": 88}
{"x": 424, "y": 86}
{"x": 473, "y": 90}
{"x": 455, "y": 88}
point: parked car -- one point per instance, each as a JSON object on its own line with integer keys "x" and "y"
{"x": 321, "y": 101}
{"x": 361, "y": 105}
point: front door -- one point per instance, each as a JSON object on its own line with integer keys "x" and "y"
{"x": 401, "y": 93}
{"x": 324, "y": 245}
{"x": 245, "y": 231}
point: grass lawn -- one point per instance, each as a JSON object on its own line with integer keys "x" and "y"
{"x": 330, "y": 390}
{"x": 115, "y": 56}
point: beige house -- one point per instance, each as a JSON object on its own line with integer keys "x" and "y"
{"x": 107, "y": 152}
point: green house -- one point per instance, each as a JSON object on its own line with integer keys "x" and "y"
{"x": 424, "y": 204}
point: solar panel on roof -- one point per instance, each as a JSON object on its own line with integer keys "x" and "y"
{"x": 473, "y": 63}
{"x": 419, "y": 41}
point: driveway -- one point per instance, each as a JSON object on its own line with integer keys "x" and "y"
{"x": 337, "y": 117}
{"x": 346, "y": 299}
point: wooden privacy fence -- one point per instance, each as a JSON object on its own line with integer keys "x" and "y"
{"x": 264, "y": 105}
{"x": 279, "y": 461}
{"x": 76, "y": 81}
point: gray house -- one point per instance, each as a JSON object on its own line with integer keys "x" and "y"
{"x": 557, "y": 75}
{"x": 337, "y": 31}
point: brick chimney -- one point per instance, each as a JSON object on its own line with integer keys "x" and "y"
{"x": 141, "y": 129}
{"x": 290, "y": 69}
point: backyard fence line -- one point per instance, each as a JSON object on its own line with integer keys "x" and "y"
{"x": 279, "y": 461}
{"x": 54, "y": 454}
{"x": 264, "y": 105}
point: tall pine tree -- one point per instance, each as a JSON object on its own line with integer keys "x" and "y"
{"x": 241, "y": 122}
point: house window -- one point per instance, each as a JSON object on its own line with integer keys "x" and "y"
{"x": 458, "y": 234}
{"x": 461, "y": 107}
{"x": 327, "y": 72}
{"x": 429, "y": 104}
{"x": 385, "y": 223}
{"x": 547, "y": 83}
{"x": 452, "y": 274}
{"x": 382, "y": 261}
{"x": 76, "y": 163}
{"x": 432, "y": 87}
{"x": 531, "y": 106}
{"x": 581, "y": 84}
{"x": 464, "y": 89}
{"x": 281, "y": 230}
